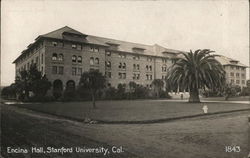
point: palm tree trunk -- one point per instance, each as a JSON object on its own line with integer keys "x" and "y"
{"x": 194, "y": 96}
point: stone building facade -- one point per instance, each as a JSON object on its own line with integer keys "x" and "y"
{"x": 65, "y": 53}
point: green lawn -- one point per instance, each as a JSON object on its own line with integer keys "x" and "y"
{"x": 139, "y": 110}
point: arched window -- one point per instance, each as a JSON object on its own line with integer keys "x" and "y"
{"x": 79, "y": 59}
{"x": 150, "y": 68}
{"x": 91, "y": 61}
{"x": 97, "y": 61}
{"x": 54, "y": 56}
{"x": 60, "y": 57}
{"x": 147, "y": 67}
{"x": 124, "y": 66}
{"x": 120, "y": 65}
{"x": 134, "y": 66}
{"x": 108, "y": 64}
{"x": 138, "y": 67}
{"x": 74, "y": 58}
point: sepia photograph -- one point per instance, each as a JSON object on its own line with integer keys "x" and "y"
{"x": 124, "y": 79}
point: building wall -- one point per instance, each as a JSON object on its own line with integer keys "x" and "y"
{"x": 160, "y": 65}
{"x": 34, "y": 56}
{"x": 231, "y": 75}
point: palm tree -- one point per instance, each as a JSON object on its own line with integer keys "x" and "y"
{"x": 194, "y": 71}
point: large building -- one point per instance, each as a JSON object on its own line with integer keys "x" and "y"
{"x": 65, "y": 53}
{"x": 235, "y": 71}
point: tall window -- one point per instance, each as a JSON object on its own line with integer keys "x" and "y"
{"x": 79, "y": 59}
{"x": 120, "y": 65}
{"x": 138, "y": 67}
{"x": 73, "y": 58}
{"x": 134, "y": 66}
{"x": 122, "y": 75}
{"x": 237, "y": 75}
{"x": 97, "y": 61}
{"x": 164, "y": 69}
{"x": 74, "y": 71}
{"x": 164, "y": 60}
{"x": 79, "y": 71}
{"x": 108, "y": 64}
{"x": 54, "y": 69}
{"x": 124, "y": 66}
{"x": 91, "y": 61}
{"x": 150, "y": 77}
{"x": 60, "y": 70}
{"x": 231, "y": 74}
{"x": 136, "y": 76}
{"x": 73, "y": 46}
{"x": 54, "y": 56}
{"x": 60, "y": 57}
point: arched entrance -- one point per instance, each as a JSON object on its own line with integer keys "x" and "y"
{"x": 57, "y": 88}
{"x": 69, "y": 92}
{"x": 70, "y": 85}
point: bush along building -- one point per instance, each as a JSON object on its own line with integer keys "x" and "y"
{"x": 64, "y": 54}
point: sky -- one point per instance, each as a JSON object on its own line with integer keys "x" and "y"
{"x": 222, "y": 26}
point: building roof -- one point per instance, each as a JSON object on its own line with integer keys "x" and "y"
{"x": 123, "y": 46}
{"x": 154, "y": 50}
{"x": 229, "y": 61}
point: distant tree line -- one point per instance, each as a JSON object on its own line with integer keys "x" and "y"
{"x": 30, "y": 85}
{"x": 194, "y": 72}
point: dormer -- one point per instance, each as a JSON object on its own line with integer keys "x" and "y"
{"x": 234, "y": 61}
{"x": 138, "y": 50}
{"x": 112, "y": 45}
{"x": 72, "y": 36}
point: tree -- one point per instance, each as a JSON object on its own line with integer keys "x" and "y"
{"x": 121, "y": 89}
{"x": 158, "y": 85}
{"x": 132, "y": 85}
{"x": 196, "y": 70}
{"x": 231, "y": 90}
{"x": 9, "y": 91}
{"x": 32, "y": 80}
{"x": 22, "y": 83}
{"x": 39, "y": 84}
{"x": 93, "y": 81}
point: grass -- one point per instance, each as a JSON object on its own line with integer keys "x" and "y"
{"x": 22, "y": 130}
{"x": 204, "y": 137}
{"x": 139, "y": 110}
